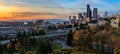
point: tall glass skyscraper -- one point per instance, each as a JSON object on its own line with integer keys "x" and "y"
{"x": 95, "y": 13}
{"x": 89, "y": 14}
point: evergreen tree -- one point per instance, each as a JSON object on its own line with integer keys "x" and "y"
{"x": 29, "y": 33}
{"x": 81, "y": 26}
{"x": 1, "y": 49}
{"x": 24, "y": 33}
{"x": 76, "y": 24}
{"x": 18, "y": 34}
{"x": 22, "y": 51}
{"x": 69, "y": 38}
{"x": 10, "y": 47}
{"x": 33, "y": 33}
{"x": 32, "y": 41}
{"x": 41, "y": 32}
{"x": 36, "y": 33}
{"x": 45, "y": 47}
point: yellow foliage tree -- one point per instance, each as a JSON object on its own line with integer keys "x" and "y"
{"x": 9, "y": 45}
{"x": 17, "y": 46}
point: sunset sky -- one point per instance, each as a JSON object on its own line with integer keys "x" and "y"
{"x": 48, "y": 9}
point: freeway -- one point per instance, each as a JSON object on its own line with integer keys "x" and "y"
{"x": 49, "y": 34}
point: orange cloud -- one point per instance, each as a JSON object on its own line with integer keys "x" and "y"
{"x": 22, "y": 13}
{"x": 29, "y": 17}
{"x": 5, "y": 11}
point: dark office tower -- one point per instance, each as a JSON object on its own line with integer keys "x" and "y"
{"x": 95, "y": 13}
{"x": 80, "y": 16}
{"x": 106, "y": 14}
{"x": 89, "y": 15}
{"x": 70, "y": 18}
{"x": 74, "y": 17}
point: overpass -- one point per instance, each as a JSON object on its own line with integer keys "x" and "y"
{"x": 55, "y": 34}
{"x": 51, "y": 34}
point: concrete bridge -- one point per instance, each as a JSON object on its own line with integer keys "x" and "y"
{"x": 51, "y": 34}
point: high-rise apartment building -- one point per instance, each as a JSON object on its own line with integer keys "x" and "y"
{"x": 95, "y": 13}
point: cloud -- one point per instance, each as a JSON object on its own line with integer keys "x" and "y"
{"x": 25, "y": 14}
{"x": 64, "y": 4}
{"x": 60, "y": 8}
{"x": 68, "y": 5}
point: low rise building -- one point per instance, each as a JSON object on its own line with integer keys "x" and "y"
{"x": 116, "y": 21}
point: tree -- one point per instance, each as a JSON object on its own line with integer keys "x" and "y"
{"x": 68, "y": 26}
{"x": 24, "y": 33}
{"x": 1, "y": 49}
{"x": 36, "y": 32}
{"x": 17, "y": 46}
{"x": 19, "y": 34}
{"x": 81, "y": 26}
{"x": 41, "y": 32}
{"x": 6, "y": 37}
{"x": 29, "y": 33}
{"x": 10, "y": 48}
{"x": 76, "y": 24}
{"x": 33, "y": 33}
{"x": 1, "y": 38}
{"x": 57, "y": 47}
{"x": 69, "y": 38}
{"x": 82, "y": 39}
{"x": 32, "y": 41}
{"x": 116, "y": 45}
{"x": 52, "y": 27}
{"x": 45, "y": 46}
{"x": 22, "y": 51}
{"x": 102, "y": 38}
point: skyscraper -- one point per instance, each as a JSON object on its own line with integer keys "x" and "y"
{"x": 95, "y": 13}
{"x": 70, "y": 18}
{"x": 105, "y": 14}
{"x": 74, "y": 17}
{"x": 80, "y": 16}
{"x": 84, "y": 16}
{"x": 89, "y": 15}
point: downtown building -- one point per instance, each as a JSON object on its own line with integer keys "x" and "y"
{"x": 95, "y": 13}
{"x": 89, "y": 12}
{"x": 115, "y": 22}
{"x": 86, "y": 17}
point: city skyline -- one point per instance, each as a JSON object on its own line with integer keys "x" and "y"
{"x": 35, "y": 9}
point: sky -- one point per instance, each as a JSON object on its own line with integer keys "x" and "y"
{"x": 52, "y": 9}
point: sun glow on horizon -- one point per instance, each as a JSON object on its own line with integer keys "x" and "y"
{"x": 6, "y": 13}
{"x": 6, "y": 10}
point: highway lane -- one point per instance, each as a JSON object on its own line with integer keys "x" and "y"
{"x": 54, "y": 34}
{"x": 48, "y": 34}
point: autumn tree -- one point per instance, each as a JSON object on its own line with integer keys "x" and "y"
{"x": 102, "y": 39}
{"x": 116, "y": 45}
{"x": 82, "y": 39}
{"x": 10, "y": 48}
